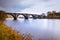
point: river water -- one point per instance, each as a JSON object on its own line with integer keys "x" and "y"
{"x": 44, "y": 29}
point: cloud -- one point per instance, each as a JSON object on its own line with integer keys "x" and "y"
{"x": 26, "y": 2}
{"x": 30, "y": 6}
{"x": 41, "y": 6}
{"x": 15, "y": 5}
{"x": 2, "y": 8}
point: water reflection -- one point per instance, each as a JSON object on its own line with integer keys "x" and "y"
{"x": 45, "y": 29}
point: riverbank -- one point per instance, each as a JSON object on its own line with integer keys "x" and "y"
{"x": 7, "y": 33}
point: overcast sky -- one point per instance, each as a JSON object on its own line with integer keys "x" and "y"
{"x": 30, "y": 6}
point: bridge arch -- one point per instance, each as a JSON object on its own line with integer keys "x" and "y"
{"x": 30, "y": 16}
{"x": 24, "y": 16}
{"x": 20, "y": 16}
{"x": 34, "y": 16}
{"x": 12, "y": 15}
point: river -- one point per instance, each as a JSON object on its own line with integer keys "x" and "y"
{"x": 44, "y": 29}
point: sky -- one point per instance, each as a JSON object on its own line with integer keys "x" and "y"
{"x": 30, "y": 6}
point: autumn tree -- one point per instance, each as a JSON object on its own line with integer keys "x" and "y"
{"x": 2, "y": 15}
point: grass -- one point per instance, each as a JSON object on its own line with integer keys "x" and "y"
{"x": 7, "y": 33}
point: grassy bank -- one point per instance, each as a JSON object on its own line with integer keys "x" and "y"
{"x": 7, "y": 33}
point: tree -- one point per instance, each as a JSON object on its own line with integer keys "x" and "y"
{"x": 2, "y": 15}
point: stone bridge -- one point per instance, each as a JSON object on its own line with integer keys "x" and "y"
{"x": 26, "y": 16}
